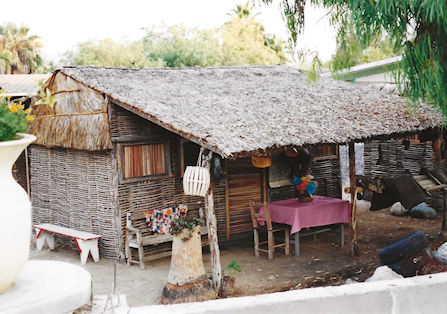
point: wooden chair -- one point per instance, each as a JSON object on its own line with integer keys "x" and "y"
{"x": 271, "y": 230}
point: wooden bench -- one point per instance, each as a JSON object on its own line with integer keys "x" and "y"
{"x": 85, "y": 241}
{"x": 138, "y": 236}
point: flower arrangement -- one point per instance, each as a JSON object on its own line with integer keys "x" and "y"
{"x": 159, "y": 220}
{"x": 306, "y": 186}
{"x": 14, "y": 118}
{"x": 181, "y": 223}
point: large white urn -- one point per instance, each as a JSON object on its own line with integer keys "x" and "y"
{"x": 15, "y": 213}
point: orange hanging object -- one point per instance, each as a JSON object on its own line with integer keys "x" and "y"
{"x": 261, "y": 161}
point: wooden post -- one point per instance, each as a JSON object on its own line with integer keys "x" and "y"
{"x": 27, "y": 172}
{"x": 353, "y": 186}
{"x": 436, "y": 146}
{"x": 213, "y": 242}
{"x": 227, "y": 200}
{"x": 270, "y": 239}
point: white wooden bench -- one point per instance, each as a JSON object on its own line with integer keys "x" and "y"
{"x": 85, "y": 241}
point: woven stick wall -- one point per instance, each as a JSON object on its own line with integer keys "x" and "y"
{"x": 73, "y": 188}
{"x": 396, "y": 159}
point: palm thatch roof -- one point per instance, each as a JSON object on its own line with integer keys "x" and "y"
{"x": 241, "y": 110}
{"x": 78, "y": 120}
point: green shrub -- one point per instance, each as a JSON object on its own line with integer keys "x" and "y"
{"x": 13, "y": 119}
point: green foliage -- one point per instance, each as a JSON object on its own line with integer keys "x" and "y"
{"x": 244, "y": 43}
{"x": 233, "y": 268}
{"x": 13, "y": 119}
{"x": 350, "y": 52}
{"x": 240, "y": 41}
{"x": 418, "y": 28}
{"x": 293, "y": 15}
{"x": 107, "y": 52}
{"x": 244, "y": 10}
{"x": 177, "y": 46}
{"x": 19, "y": 51}
{"x": 180, "y": 224}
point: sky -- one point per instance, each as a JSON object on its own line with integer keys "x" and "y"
{"x": 61, "y": 24}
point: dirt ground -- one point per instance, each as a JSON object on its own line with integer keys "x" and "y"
{"x": 322, "y": 261}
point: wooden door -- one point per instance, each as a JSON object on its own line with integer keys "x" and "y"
{"x": 244, "y": 183}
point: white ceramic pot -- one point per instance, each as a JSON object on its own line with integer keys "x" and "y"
{"x": 15, "y": 213}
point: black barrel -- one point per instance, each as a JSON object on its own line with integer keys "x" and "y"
{"x": 406, "y": 247}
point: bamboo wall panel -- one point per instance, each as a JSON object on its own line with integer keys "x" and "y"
{"x": 143, "y": 160}
{"x": 395, "y": 160}
{"x": 73, "y": 189}
{"x": 244, "y": 184}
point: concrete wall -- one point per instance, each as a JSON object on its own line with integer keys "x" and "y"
{"x": 423, "y": 294}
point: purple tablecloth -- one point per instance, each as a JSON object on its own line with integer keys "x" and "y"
{"x": 321, "y": 211}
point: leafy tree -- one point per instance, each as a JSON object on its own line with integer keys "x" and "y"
{"x": 350, "y": 53}
{"x": 107, "y": 52}
{"x": 177, "y": 46}
{"x": 19, "y": 51}
{"x": 244, "y": 43}
{"x": 417, "y": 27}
{"x": 244, "y": 11}
{"x": 240, "y": 41}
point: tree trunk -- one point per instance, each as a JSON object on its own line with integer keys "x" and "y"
{"x": 213, "y": 242}
{"x": 187, "y": 280}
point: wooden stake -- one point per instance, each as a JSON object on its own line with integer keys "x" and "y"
{"x": 212, "y": 237}
{"x": 353, "y": 184}
{"x": 227, "y": 199}
{"x": 270, "y": 239}
{"x": 28, "y": 186}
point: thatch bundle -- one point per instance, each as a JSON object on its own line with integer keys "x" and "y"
{"x": 77, "y": 120}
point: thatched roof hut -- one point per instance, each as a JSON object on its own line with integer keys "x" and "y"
{"x": 234, "y": 111}
{"x": 118, "y": 140}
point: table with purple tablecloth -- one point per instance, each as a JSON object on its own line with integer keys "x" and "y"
{"x": 321, "y": 211}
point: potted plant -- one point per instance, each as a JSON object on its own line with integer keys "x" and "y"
{"x": 187, "y": 279}
{"x": 15, "y": 206}
{"x": 229, "y": 279}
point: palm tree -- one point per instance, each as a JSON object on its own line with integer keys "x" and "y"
{"x": 244, "y": 11}
{"x": 19, "y": 51}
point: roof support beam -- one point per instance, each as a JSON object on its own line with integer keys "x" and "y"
{"x": 353, "y": 184}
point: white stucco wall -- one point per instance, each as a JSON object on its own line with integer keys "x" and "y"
{"x": 423, "y": 294}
